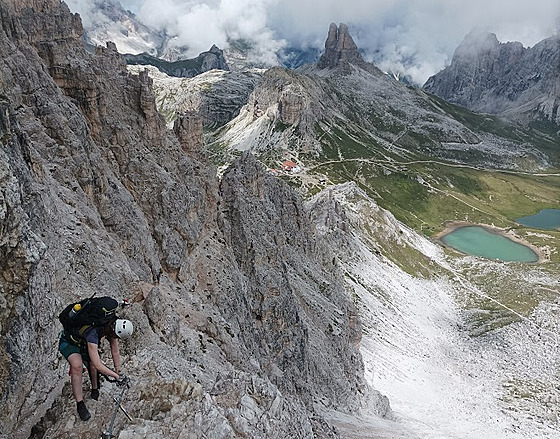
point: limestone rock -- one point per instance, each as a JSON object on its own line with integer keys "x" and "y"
{"x": 250, "y": 329}
{"x": 217, "y": 96}
{"x": 339, "y": 48}
{"x": 269, "y": 247}
{"x": 503, "y": 78}
{"x": 341, "y": 51}
{"x": 213, "y": 59}
{"x": 188, "y": 129}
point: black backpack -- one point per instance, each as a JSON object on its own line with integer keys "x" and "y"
{"x": 95, "y": 311}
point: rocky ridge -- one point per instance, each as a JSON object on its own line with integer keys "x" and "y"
{"x": 188, "y": 68}
{"x": 503, "y": 78}
{"x": 250, "y": 330}
{"x": 216, "y": 96}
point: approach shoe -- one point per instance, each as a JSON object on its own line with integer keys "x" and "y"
{"x": 95, "y": 394}
{"x": 83, "y": 411}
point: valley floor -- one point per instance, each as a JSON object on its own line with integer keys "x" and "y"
{"x": 451, "y": 366}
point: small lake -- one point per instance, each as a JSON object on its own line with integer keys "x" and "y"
{"x": 548, "y": 219}
{"x": 479, "y": 241}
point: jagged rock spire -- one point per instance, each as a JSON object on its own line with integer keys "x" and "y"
{"x": 188, "y": 129}
{"x": 340, "y": 48}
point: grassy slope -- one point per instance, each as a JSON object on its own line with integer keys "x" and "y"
{"x": 426, "y": 192}
{"x": 398, "y": 165}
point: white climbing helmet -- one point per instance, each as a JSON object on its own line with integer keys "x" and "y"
{"x": 123, "y": 328}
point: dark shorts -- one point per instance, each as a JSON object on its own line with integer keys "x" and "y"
{"x": 67, "y": 348}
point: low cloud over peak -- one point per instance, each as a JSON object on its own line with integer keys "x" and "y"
{"x": 416, "y": 37}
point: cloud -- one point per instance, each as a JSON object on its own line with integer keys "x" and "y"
{"x": 199, "y": 24}
{"x": 417, "y": 37}
{"x": 132, "y": 5}
{"x": 88, "y": 12}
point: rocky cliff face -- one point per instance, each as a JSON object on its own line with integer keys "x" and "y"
{"x": 503, "y": 78}
{"x": 216, "y": 96}
{"x": 250, "y": 331}
{"x": 341, "y": 50}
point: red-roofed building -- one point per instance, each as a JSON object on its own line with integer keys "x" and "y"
{"x": 288, "y": 165}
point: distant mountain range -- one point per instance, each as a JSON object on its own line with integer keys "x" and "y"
{"x": 127, "y": 32}
{"x": 143, "y": 44}
{"x": 505, "y": 79}
{"x": 344, "y": 100}
{"x": 188, "y": 68}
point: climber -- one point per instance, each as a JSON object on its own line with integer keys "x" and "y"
{"x": 81, "y": 348}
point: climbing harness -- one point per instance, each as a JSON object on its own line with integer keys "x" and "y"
{"x": 108, "y": 434}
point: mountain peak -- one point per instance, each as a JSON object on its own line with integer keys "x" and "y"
{"x": 340, "y": 48}
{"x": 476, "y": 43}
{"x": 502, "y": 78}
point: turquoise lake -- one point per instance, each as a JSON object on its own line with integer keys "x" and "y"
{"x": 479, "y": 241}
{"x": 548, "y": 219}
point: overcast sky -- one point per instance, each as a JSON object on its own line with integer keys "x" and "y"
{"x": 418, "y": 36}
